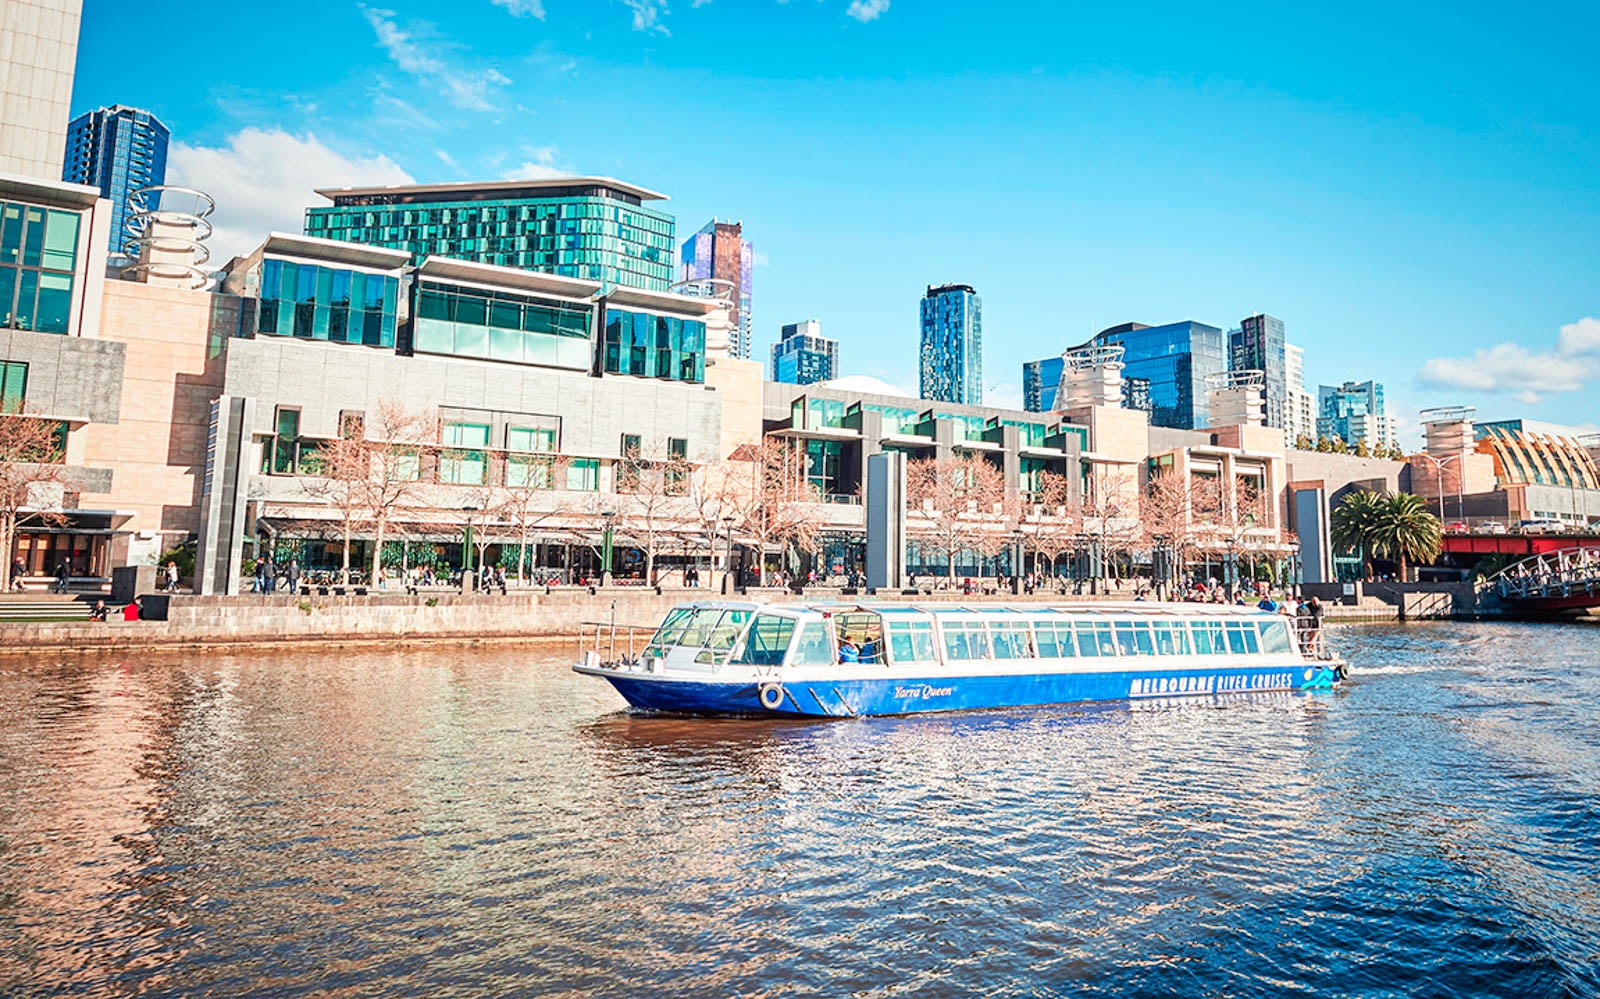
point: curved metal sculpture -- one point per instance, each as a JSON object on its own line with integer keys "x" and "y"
{"x": 1565, "y": 580}
{"x": 167, "y": 228}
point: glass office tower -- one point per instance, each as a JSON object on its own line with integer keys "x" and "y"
{"x": 119, "y": 150}
{"x": 1040, "y": 379}
{"x": 1258, "y": 345}
{"x": 952, "y": 344}
{"x": 594, "y": 228}
{"x": 1175, "y": 359}
{"x": 719, "y": 252}
{"x": 804, "y": 356}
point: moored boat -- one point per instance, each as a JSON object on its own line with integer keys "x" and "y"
{"x": 725, "y": 657}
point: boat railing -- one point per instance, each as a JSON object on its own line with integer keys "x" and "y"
{"x": 606, "y": 638}
{"x": 1313, "y": 642}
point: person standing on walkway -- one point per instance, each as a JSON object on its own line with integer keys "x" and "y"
{"x": 292, "y": 576}
{"x": 63, "y": 576}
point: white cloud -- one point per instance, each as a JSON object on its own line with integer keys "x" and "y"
{"x": 522, "y": 8}
{"x": 1581, "y": 337}
{"x": 867, "y": 10}
{"x": 1511, "y": 369}
{"x": 424, "y": 59}
{"x": 265, "y": 179}
{"x": 542, "y": 162}
{"x": 647, "y": 15}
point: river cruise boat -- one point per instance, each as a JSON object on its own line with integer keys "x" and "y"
{"x": 721, "y": 657}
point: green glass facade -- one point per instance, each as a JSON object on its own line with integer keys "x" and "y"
{"x": 651, "y": 346}
{"x": 327, "y": 303}
{"x": 594, "y": 238}
{"x": 38, "y": 257}
{"x": 500, "y": 326}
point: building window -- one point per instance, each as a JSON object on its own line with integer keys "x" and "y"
{"x": 38, "y": 259}
{"x": 13, "y": 386}
{"x": 352, "y": 424}
{"x": 628, "y": 468}
{"x": 325, "y": 303}
{"x": 281, "y": 455}
{"x": 651, "y": 346}
{"x": 583, "y": 475}
{"x": 677, "y": 471}
{"x": 498, "y": 326}
{"x": 463, "y": 460}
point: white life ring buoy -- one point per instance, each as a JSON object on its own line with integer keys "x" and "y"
{"x": 771, "y": 695}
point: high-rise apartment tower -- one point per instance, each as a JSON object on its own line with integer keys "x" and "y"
{"x": 952, "y": 344}
{"x": 119, "y": 150}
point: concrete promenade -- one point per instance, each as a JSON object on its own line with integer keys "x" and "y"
{"x": 450, "y": 617}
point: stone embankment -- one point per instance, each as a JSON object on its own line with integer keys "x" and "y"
{"x": 447, "y": 616}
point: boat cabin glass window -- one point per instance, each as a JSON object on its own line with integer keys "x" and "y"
{"x": 865, "y": 631}
{"x": 698, "y": 628}
{"x": 1094, "y": 639}
{"x": 1164, "y": 643}
{"x": 1180, "y": 640}
{"x": 666, "y": 636}
{"x": 1208, "y": 640}
{"x": 1275, "y": 637}
{"x": 1010, "y": 640}
{"x": 965, "y": 640}
{"x": 719, "y": 641}
{"x": 767, "y": 642}
{"x": 911, "y": 642}
{"x": 1054, "y": 639}
{"x": 1133, "y": 639}
{"x": 1243, "y": 639}
{"x": 814, "y": 647}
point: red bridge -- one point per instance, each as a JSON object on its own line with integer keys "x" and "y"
{"x": 1520, "y": 545}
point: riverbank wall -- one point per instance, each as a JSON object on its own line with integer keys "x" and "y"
{"x": 446, "y": 616}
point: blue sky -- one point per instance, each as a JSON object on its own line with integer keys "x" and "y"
{"x": 1413, "y": 193}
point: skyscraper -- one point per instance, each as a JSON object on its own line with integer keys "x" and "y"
{"x": 40, "y": 41}
{"x": 719, "y": 252}
{"x": 1176, "y": 359}
{"x": 1257, "y": 345}
{"x": 804, "y": 355}
{"x": 1040, "y": 379}
{"x": 1354, "y": 413}
{"x": 1300, "y": 418}
{"x": 119, "y": 150}
{"x": 952, "y": 344}
{"x": 593, "y": 228}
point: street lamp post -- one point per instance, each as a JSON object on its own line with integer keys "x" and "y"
{"x": 1230, "y": 570}
{"x": 1438, "y": 477}
{"x": 466, "y": 550}
{"x": 608, "y": 517}
{"x": 727, "y": 562}
{"x": 1159, "y": 577}
{"x": 1016, "y": 561}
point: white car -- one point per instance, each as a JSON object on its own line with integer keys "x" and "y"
{"x": 1540, "y": 525}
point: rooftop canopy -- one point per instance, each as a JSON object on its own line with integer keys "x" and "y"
{"x": 495, "y": 190}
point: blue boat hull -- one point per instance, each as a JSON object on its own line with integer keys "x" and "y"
{"x": 903, "y": 696}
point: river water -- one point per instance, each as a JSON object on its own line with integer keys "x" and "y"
{"x": 446, "y": 822}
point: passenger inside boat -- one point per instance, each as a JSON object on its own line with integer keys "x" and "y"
{"x": 860, "y": 636}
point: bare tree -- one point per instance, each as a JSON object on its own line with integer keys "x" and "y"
{"x": 956, "y": 505}
{"x": 1111, "y": 513}
{"x": 343, "y": 465}
{"x": 1053, "y": 523}
{"x": 526, "y": 498}
{"x": 394, "y": 442}
{"x": 709, "y": 502}
{"x": 31, "y": 456}
{"x": 656, "y": 509}
{"x": 777, "y": 505}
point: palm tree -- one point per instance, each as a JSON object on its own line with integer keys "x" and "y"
{"x": 1406, "y": 531}
{"x": 1394, "y": 526}
{"x": 1354, "y": 526}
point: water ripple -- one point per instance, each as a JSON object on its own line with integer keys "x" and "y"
{"x": 443, "y": 822}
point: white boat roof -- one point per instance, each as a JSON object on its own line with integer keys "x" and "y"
{"x": 1120, "y": 608}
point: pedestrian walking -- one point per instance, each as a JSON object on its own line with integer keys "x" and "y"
{"x": 63, "y": 577}
{"x": 171, "y": 581}
{"x": 18, "y": 570}
{"x": 291, "y": 575}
